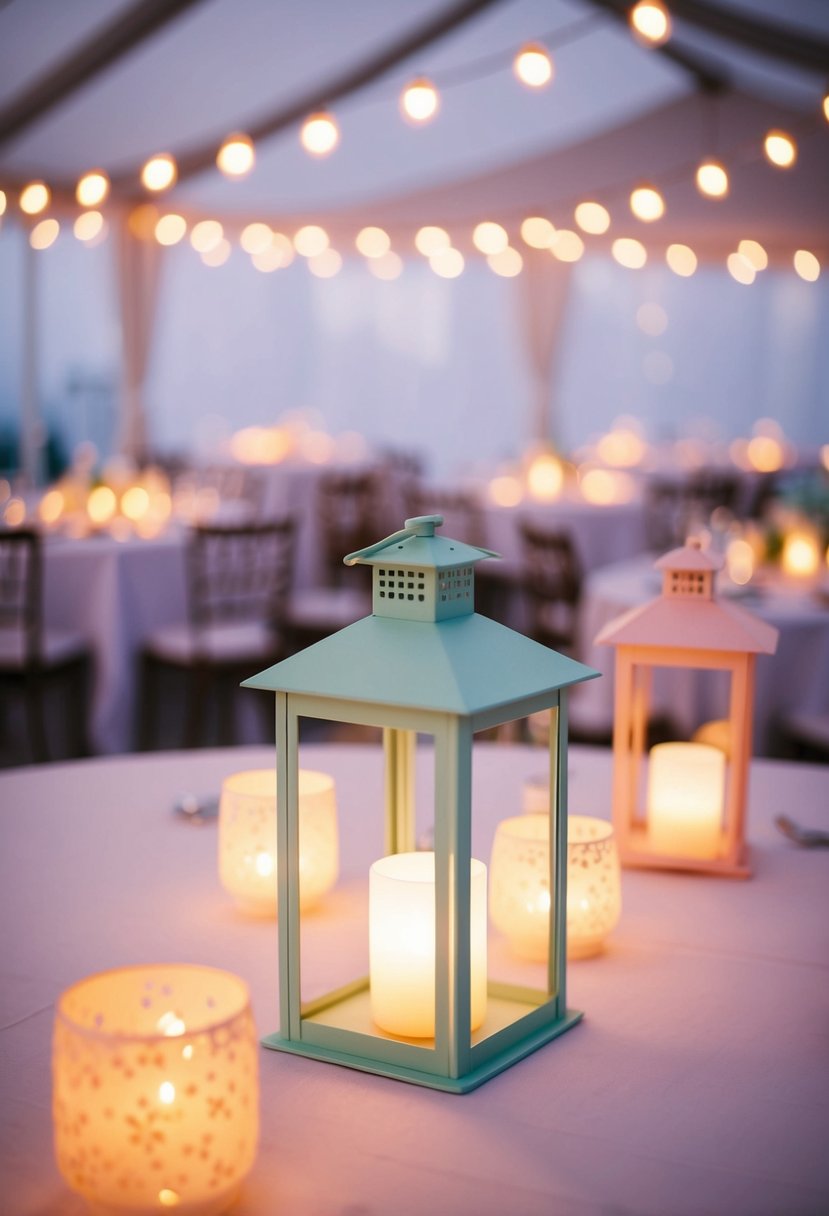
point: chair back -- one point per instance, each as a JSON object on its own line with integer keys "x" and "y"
{"x": 349, "y": 506}
{"x": 20, "y": 595}
{"x": 552, "y": 585}
{"x": 673, "y": 508}
{"x": 240, "y": 574}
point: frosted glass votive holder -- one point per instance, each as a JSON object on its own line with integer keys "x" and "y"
{"x": 155, "y": 1089}
{"x": 520, "y": 884}
{"x": 247, "y": 838}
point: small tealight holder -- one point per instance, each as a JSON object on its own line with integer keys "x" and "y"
{"x": 155, "y": 1089}
{"x": 519, "y": 884}
{"x": 247, "y": 839}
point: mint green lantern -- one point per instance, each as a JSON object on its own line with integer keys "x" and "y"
{"x": 425, "y": 662}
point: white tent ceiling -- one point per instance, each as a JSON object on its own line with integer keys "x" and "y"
{"x": 495, "y": 148}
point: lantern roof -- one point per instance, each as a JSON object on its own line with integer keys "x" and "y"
{"x": 462, "y": 665}
{"x": 689, "y": 622}
{"x": 417, "y": 545}
{"x": 690, "y": 556}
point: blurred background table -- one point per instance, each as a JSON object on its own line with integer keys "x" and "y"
{"x": 694, "y": 1085}
{"x": 796, "y": 677}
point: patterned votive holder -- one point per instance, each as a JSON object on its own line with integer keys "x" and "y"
{"x": 247, "y": 838}
{"x": 520, "y": 884}
{"x": 155, "y": 1089}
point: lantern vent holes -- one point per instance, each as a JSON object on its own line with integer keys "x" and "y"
{"x": 401, "y": 584}
{"x": 689, "y": 582}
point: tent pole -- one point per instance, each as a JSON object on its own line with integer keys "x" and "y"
{"x": 29, "y": 453}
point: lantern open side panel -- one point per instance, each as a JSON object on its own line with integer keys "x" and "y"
{"x": 337, "y": 1025}
{"x": 636, "y": 669}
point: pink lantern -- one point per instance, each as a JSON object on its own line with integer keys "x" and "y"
{"x": 683, "y": 806}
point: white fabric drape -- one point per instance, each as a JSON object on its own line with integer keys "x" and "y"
{"x": 138, "y": 267}
{"x": 544, "y": 288}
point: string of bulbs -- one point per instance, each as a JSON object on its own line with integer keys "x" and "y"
{"x": 419, "y": 103}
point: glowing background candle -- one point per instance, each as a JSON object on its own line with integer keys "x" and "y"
{"x": 402, "y": 944}
{"x": 686, "y": 783}
{"x": 247, "y": 838}
{"x": 520, "y": 895}
{"x": 155, "y": 1089}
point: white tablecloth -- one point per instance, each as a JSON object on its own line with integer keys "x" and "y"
{"x": 695, "y": 1086}
{"x": 796, "y": 677}
{"x": 601, "y": 534}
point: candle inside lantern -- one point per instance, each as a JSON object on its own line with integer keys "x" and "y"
{"x": 155, "y": 1089}
{"x": 801, "y": 554}
{"x": 402, "y": 944}
{"x": 520, "y": 899}
{"x": 247, "y": 838}
{"x": 686, "y": 784}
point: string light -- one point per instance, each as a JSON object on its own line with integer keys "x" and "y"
{"x": 159, "y": 173}
{"x": 647, "y": 204}
{"x": 629, "y": 253}
{"x": 806, "y": 265}
{"x": 2, "y": 202}
{"x": 236, "y": 157}
{"x": 740, "y": 269}
{"x": 592, "y": 217}
{"x": 650, "y": 22}
{"x": 537, "y": 232}
{"x": 533, "y": 66}
{"x": 326, "y": 264}
{"x": 206, "y": 235}
{"x": 44, "y": 234}
{"x": 507, "y": 263}
{"x": 489, "y": 237}
{"x": 34, "y": 198}
{"x": 170, "y": 229}
{"x": 218, "y": 254}
{"x": 780, "y": 149}
{"x": 431, "y": 240}
{"x": 255, "y": 238}
{"x": 681, "y": 260}
{"x": 310, "y": 240}
{"x": 320, "y": 134}
{"x": 284, "y": 247}
{"x": 387, "y": 267}
{"x": 754, "y": 253}
{"x": 372, "y": 242}
{"x": 712, "y": 179}
{"x": 92, "y": 188}
{"x": 419, "y": 101}
{"x": 825, "y": 103}
{"x": 88, "y": 225}
{"x": 448, "y": 263}
{"x": 568, "y": 246}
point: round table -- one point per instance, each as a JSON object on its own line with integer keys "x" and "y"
{"x": 694, "y": 1084}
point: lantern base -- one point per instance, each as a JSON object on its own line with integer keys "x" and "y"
{"x": 453, "y": 1085}
{"x": 637, "y": 855}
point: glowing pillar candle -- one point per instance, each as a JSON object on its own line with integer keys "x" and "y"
{"x": 402, "y": 944}
{"x": 155, "y": 1089}
{"x": 520, "y": 897}
{"x": 247, "y": 838}
{"x": 686, "y": 784}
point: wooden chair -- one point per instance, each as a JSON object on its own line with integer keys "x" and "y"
{"x": 34, "y": 660}
{"x": 673, "y": 507}
{"x": 349, "y": 516}
{"x": 238, "y": 585}
{"x": 552, "y": 582}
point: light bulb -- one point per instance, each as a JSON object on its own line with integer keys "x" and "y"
{"x": 420, "y": 100}
{"x": 34, "y": 198}
{"x": 712, "y": 179}
{"x": 592, "y": 217}
{"x": 650, "y": 22}
{"x": 160, "y": 172}
{"x": 236, "y": 156}
{"x": 647, "y": 204}
{"x": 780, "y": 149}
{"x": 320, "y": 134}
{"x": 92, "y": 188}
{"x": 533, "y": 66}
